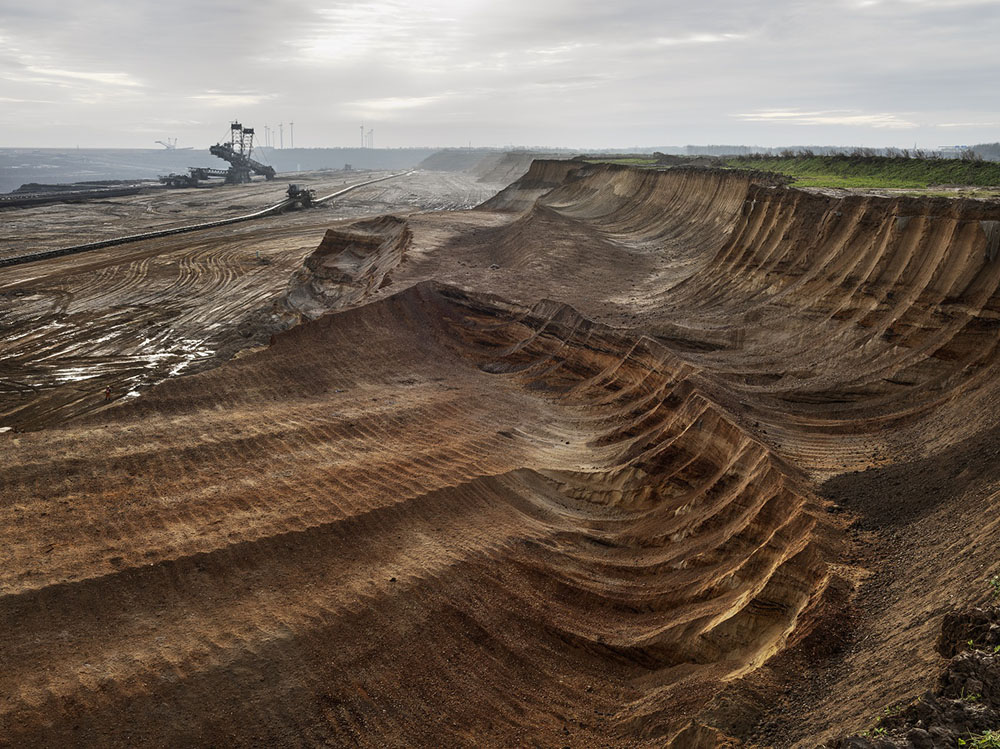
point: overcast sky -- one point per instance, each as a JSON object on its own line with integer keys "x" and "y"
{"x": 580, "y": 74}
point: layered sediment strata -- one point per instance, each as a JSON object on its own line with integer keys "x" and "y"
{"x": 541, "y": 492}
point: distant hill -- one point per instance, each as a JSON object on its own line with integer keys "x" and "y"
{"x": 488, "y": 164}
{"x": 988, "y": 151}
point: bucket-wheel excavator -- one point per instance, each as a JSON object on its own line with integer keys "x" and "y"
{"x": 237, "y": 151}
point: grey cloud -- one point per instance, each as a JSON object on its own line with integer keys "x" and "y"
{"x": 580, "y": 73}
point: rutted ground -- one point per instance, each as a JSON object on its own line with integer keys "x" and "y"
{"x": 131, "y": 315}
{"x": 551, "y": 473}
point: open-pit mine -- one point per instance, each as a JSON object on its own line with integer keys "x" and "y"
{"x": 603, "y": 457}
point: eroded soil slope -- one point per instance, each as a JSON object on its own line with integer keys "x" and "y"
{"x": 619, "y": 458}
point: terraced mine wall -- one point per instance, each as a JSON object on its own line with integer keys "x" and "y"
{"x": 780, "y": 291}
{"x": 622, "y": 457}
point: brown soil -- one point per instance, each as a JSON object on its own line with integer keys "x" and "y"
{"x": 622, "y": 458}
{"x": 130, "y": 316}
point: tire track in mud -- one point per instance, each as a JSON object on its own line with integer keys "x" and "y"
{"x": 7, "y": 259}
{"x": 169, "y": 306}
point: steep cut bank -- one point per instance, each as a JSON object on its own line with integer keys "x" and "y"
{"x": 542, "y": 177}
{"x": 855, "y": 336}
{"x": 820, "y": 318}
{"x": 480, "y": 499}
{"x": 850, "y": 319}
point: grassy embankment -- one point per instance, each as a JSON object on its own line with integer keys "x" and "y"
{"x": 861, "y": 171}
{"x": 875, "y": 171}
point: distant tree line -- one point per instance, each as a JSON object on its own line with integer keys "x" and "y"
{"x": 982, "y": 151}
{"x": 861, "y": 155}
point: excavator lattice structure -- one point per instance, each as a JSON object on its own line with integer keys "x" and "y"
{"x": 237, "y": 152}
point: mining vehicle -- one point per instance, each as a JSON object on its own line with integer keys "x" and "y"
{"x": 237, "y": 151}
